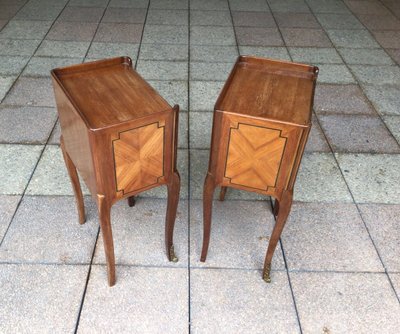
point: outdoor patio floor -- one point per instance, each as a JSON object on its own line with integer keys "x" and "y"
{"x": 337, "y": 267}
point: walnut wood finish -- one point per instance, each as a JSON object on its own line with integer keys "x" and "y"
{"x": 261, "y": 123}
{"x": 121, "y": 136}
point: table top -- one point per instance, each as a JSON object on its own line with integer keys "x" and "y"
{"x": 270, "y": 89}
{"x": 108, "y": 92}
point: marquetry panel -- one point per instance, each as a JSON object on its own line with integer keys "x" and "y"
{"x": 138, "y": 156}
{"x": 254, "y": 156}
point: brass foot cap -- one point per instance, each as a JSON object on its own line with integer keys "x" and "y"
{"x": 172, "y": 256}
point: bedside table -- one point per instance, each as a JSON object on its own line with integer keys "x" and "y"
{"x": 261, "y": 123}
{"x": 121, "y": 136}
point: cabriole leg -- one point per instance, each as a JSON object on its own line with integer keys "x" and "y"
{"x": 173, "y": 198}
{"x": 208, "y": 193}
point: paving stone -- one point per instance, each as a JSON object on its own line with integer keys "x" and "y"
{"x": 395, "y": 54}
{"x": 72, "y": 31}
{"x": 305, "y": 37}
{"x": 162, "y": 70}
{"x": 212, "y": 35}
{"x": 209, "y": 53}
{"x": 350, "y": 133}
{"x": 26, "y": 124}
{"x": 382, "y": 223}
{"x": 124, "y": 15}
{"x": 3, "y": 23}
{"x": 8, "y": 11}
{"x": 32, "y": 92}
{"x": 12, "y": 65}
{"x": 203, "y": 94}
{"x": 253, "y": 19}
{"x": 334, "y": 74}
{"x": 393, "y": 123}
{"x": 251, "y": 5}
{"x": 51, "y": 177}
{"x": 315, "y": 55}
{"x": 207, "y": 18}
{"x": 168, "y": 16}
{"x": 46, "y": 230}
{"x": 169, "y": 4}
{"x": 198, "y": 171}
{"x": 144, "y": 300}
{"x": 386, "y": 99}
{"x": 379, "y": 75}
{"x": 345, "y": 302}
{"x": 367, "y": 7}
{"x": 31, "y": 11}
{"x": 210, "y": 71}
{"x": 239, "y": 236}
{"x": 40, "y": 298}
{"x": 339, "y": 21}
{"x": 200, "y": 126}
{"x": 174, "y": 52}
{"x": 343, "y": 99}
{"x": 258, "y": 36}
{"x": 395, "y": 278}
{"x": 81, "y": 14}
{"x": 365, "y": 56}
{"x": 319, "y": 180}
{"x": 163, "y": 34}
{"x": 209, "y": 4}
{"x": 5, "y": 84}
{"x": 16, "y": 166}
{"x": 291, "y": 6}
{"x": 88, "y": 3}
{"x": 129, "y": 3}
{"x": 372, "y": 178}
{"x": 316, "y": 141}
{"x": 388, "y": 39}
{"x": 328, "y": 6}
{"x": 55, "y": 134}
{"x": 352, "y": 39}
{"x": 378, "y": 22}
{"x": 262, "y": 51}
{"x": 119, "y": 32}
{"x": 25, "y": 29}
{"x": 139, "y": 234}
{"x": 18, "y": 47}
{"x": 296, "y": 20}
{"x": 8, "y": 205}
{"x": 100, "y": 50}
{"x": 62, "y": 49}
{"x": 175, "y": 92}
{"x": 329, "y": 237}
{"x": 41, "y": 66}
{"x": 217, "y": 295}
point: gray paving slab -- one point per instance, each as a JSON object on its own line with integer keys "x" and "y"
{"x": 379, "y": 22}
{"x": 99, "y": 50}
{"x": 316, "y": 140}
{"x": 55, "y": 135}
{"x": 253, "y": 19}
{"x": 72, "y": 31}
{"x": 393, "y": 123}
{"x": 345, "y": 303}
{"x": 210, "y": 53}
{"x": 368, "y": 7}
{"x": 382, "y": 223}
{"x": 129, "y": 3}
{"x": 315, "y": 55}
{"x": 32, "y": 11}
{"x": 395, "y": 278}
{"x": 339, "y": 21}
{"x": 265, "y": 51}
{"x": 236, "y": 301}
{"x": 213, "y": 71}
{"x": 81, "y": 14}
{"x": 18, "y": 47}
{"x": 139, "y": 234}
{"x": 341, "y": 99}
{"x": 144, "y": 300}
{"x": 88, "y": 3}
{"x": 388, "y": 39}
{"x": 328, "y": 6}
{"x": 177, "y": 17}
{"x": 289, "y": 6}
{"x": 41, "y": 66}
{"x": 372, "y": 178}
{"x": 377, "y": 75}
{"x": 209, "y": 4}
{"x": 3, "y": 23}
{"x": 62, "y": 49}
{"x": 25, "y": 29}
{"x": 172, "y": 52}
{"x": 239, "y": 236}
{"x": 8, "y": 205}
{"x": 163, "y": 70}
{"x": 252, "y": 5}
{"x": 212, "y": 35}
{"x": 26, "y": 124}
{"x": 40, "y": 298}
{"x": 165, "y": 34}
{"x": 351, "y": 133}
{"x": 386, "y": 99}
{"x": 296, "y": 20}
{"x": 200, "y": 126}
{"x": 319, "y": 180}
{"x": 31, "y": 92}
{"x": 256, "y": 36}
{"x": 305, "y": 37}
{"x": 9, "y": 10}
{"x": 51, "y": 177}
{"x": 124, "y": 15}
{"x": 12, "y": 65}
{"x": 395, "y": 54}
{"x": 330, "y": 237}
{"x": 119, "y": 33}
{"x": 366, "y": 56}
{"x": 203, "y": 94}
{"x": 171, "y": 4}
{"x": 335, "y": 74}
{"x": 352, "y": 38}
{"x": 46, "y": 230}
{"x": 175, "y": 92}
{"x": 210, "y": 18}
{"x": 5, "y": 84}
{"x": 16, "y": 166}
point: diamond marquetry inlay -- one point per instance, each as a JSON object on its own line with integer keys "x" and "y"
{"x": 254, "y": 156}
{"x": 138, "y": 155}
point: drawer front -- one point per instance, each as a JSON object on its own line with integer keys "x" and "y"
{"x": 139, "y": 157}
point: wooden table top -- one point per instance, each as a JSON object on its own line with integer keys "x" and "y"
{"x": 269, "y": 89}
{"x": 109, "y": 92}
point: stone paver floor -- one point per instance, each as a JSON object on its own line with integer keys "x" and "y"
{"x": 337, "y": 267}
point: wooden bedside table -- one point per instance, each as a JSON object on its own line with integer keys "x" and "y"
{"x": 261, "y": 123}
{"x": 122, "y": 138}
